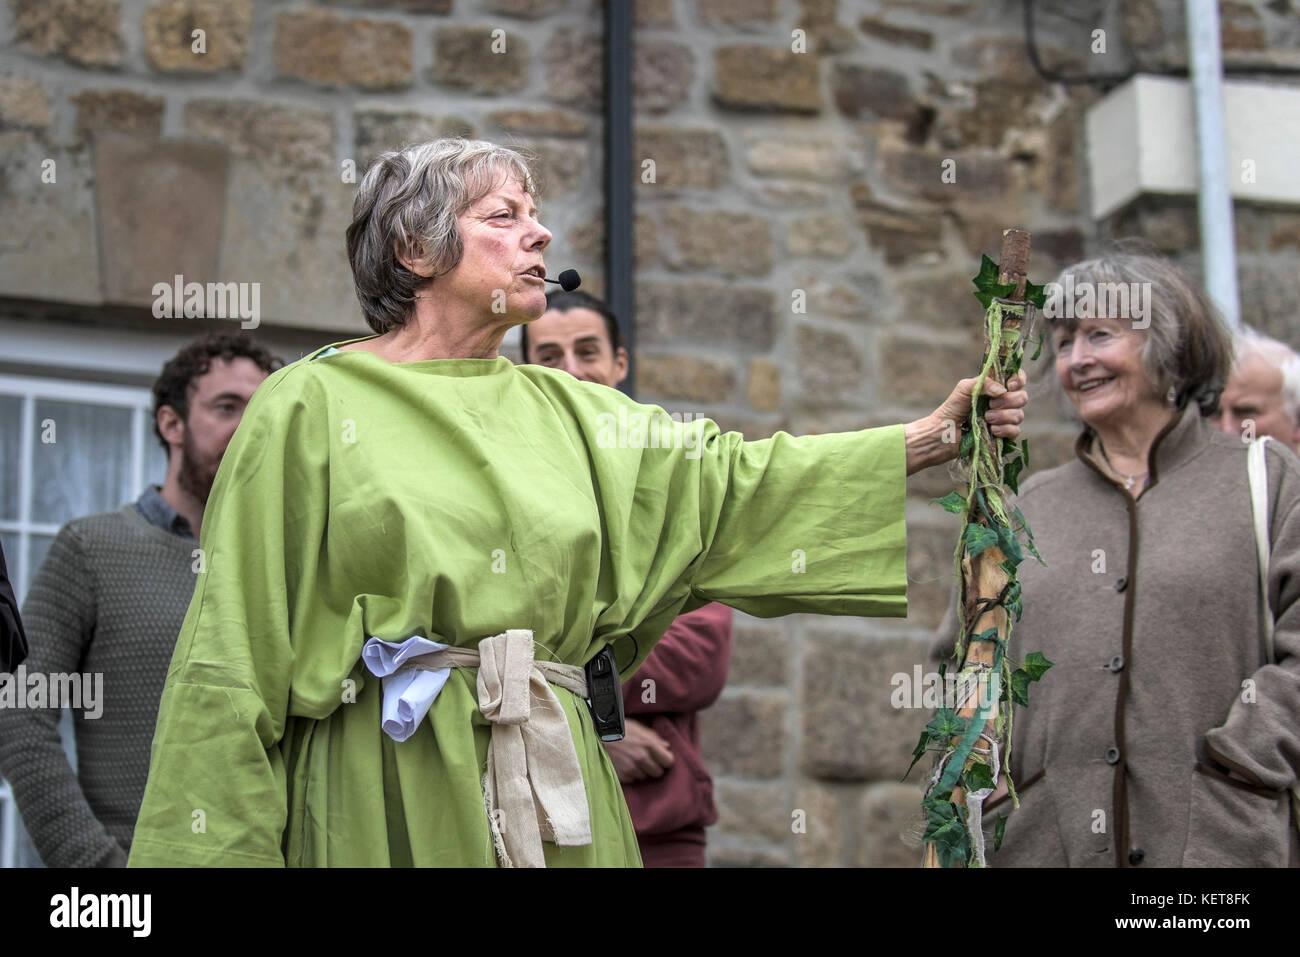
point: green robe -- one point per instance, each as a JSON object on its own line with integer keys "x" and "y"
{"x": 457, "y": 498}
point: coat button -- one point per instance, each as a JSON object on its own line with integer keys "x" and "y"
{"x": 1112, "y": 755}
{"x": 1121, "y": 584}
{"x": 1116, "y": 663}
{"x": 1135, "y": 856}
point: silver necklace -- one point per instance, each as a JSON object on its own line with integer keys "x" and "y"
{"x": 1130, "y": 479}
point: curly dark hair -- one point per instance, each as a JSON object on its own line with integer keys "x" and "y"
{"x": 177, "y": 381}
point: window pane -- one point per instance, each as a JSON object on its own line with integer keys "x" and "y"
{"x": 11, "y": 437}
{"x": 87, "y": 468}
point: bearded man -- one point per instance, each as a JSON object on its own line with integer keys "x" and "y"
{"x": 110, "y": 599}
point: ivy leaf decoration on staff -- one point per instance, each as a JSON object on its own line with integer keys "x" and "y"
{"x": 973, "y": 736}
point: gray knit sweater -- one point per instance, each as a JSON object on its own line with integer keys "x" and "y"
{"x": 110, "y": 597}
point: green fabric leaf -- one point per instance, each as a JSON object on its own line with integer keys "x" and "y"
{"x": 996, "y": 291}
{"x": 967, "y": 445}
{"x": 952, "y": 502}
{"x": 917, "y": 752}
{"x": 946, "y": 831}
{"x": 1010, "y": 547}
{"x": 1036, "y": 665}
{"x": 1024, "y": 449}
{"x": 987, "y": 287}
{"x": 999, "y": 829}
{"x": 978, "y": 538}
{"x": 988, "y": 272}
{"x": 1020, "y": 687}
{"x": 1035, "y": 294}
{"x": 1019, "y": 516}
{"x": 1011, "y": 473}
{"x": 988, "y": 634}
{"x": 945, "y": 724}
{"x": 978, "y": 777}
{"x": 1013, "y": 603}
{"x": 1039, "y": 350}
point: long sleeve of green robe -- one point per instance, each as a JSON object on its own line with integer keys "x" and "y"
{"x": 456, "y": 499}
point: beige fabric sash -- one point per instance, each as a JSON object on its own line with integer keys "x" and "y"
{"x": 533, "y": 789}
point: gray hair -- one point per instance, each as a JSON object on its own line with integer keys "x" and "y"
{"x": 408, "y": 204}
{"x": 1279, "y": 355}
{"x": 1186, "y": 348}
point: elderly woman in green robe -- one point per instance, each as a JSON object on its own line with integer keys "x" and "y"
{"x": 416, "y": 486}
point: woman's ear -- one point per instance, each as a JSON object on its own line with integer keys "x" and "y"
{"x": 413, "y": 258}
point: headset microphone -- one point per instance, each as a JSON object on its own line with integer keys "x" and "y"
{"x": 569, "y": 280}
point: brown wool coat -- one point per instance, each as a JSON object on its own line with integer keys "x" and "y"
{"x": 1149, "y": 611}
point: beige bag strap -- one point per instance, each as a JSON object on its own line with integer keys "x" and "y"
{"x": 1257, "y": 471}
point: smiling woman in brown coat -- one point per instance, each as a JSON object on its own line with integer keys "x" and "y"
{"x": 1162, "y": 736}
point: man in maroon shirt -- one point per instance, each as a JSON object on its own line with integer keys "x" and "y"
{"x": 668, "y": 791}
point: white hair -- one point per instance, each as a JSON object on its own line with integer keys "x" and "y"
{"x": 1280, "y": 356}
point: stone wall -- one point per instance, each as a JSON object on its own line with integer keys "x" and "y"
{"x": 802, "y": 261}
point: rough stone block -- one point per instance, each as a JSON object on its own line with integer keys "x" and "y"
{"x": 140, "y": 185}
{"x": 851, "y": 731}
{"x": 751, "y": 77}
{"x": 575, "y": 72}
{"x": 171, "y": 34}
{"x": 287, "y": 234}
{"x": 831, "y": 367}
{"x": 285, "y": 140}
{"x": 764, "y": 386}
{"x": 472, "y": 59}
{"x": 744, "y": 733}
{"x": 379, "y": 130}
{"x": 322, "y": 47}
{"x": 923, "y": 372}
{"x": 738, "y": 11}
{"x": 541, "y": 122}
{"x": 745, "y": 857}
{"x": 24, "y": 103}
{"x": 54, "y": 253}
{"x": 661, "y": 76}
{"x": 123, "y": 111}
{"x": 684, "y": 377}
{"x": 890, "y": 825}
{"x": 822, "y": 840}
{"x": 821, "y": 236}
{"x": 902, "y": 234}
{"x": 930, "y": 574}
{"x": 754, "y": 812}
{"x": 863, "y": 92}
{"x": 723, "y": 315}
{"x": 731, "y": 242}
{"x": 683, "y": 158}
{"x": 896, "y": 35}
{"x": 86, "y": 32}
{"x": 529, "y": 9}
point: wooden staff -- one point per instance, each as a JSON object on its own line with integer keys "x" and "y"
{"x": 984, "y": 577}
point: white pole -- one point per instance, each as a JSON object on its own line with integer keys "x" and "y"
{"x": 1218, "y": 242}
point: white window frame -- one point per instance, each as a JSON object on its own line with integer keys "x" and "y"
{"x": 33, "y": 388}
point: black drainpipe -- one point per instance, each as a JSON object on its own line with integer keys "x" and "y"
{"x": 618, "y": 181}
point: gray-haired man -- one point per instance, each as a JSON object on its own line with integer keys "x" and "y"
{"x": 1262, "y": 396}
